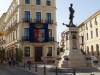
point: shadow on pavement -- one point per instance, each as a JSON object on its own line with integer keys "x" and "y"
{"x": 77, "y": 70}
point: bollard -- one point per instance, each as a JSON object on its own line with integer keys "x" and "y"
{"x": 29, "y": 66}
{"x": 74, "y": 72}
{"x": 44, "y": 69}
{"x": 24, "y": 65}
{"x": 18, "y": 64}
{"x": 36, "y": 68}
{"x": 56, "y": 71}
{"x": 92, "y": 74}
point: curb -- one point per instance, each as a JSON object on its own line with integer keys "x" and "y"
{"x": 31, "y": 71}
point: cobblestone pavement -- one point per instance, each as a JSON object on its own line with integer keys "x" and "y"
{"x": 10, "y": 70}
{"x": 50, "y": 70}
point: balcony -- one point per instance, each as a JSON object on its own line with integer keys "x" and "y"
{"x": 25, "y": 38}
{"x": 26, "y": 20}
{"x": 49, "y": 21}
{"x": 13, "y": 27}
{"x": 38, "y": 20}
{"x": 51, "y": 39}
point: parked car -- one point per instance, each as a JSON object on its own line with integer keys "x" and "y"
{"x": 94, "y": 59}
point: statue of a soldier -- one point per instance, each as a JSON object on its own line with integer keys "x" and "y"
{"x": 71, "y": 16}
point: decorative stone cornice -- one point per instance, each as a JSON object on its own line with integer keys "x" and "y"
{"x": 90, "y": 18}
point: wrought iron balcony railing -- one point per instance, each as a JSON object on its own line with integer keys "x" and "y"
{"x": 49, "y": 21}
{"x": 27, "y": 20}
{"x": 38, "y": 20}
{"x": 25, "y": 38}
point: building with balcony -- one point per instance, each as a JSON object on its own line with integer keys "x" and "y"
{"x": 29, "y": 25}
{"x": 90, "y": 36}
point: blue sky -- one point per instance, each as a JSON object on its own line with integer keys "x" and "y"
{"x": 83, "y": 10}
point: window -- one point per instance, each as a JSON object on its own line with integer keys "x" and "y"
{"x": 16, "y": 34}
{"x": 90, "y": 23}
{"x": 96, "y": 32}
{"x": 86, "y": 27}
{"x": 27, "y": 1}
{"x": 97, "y": 49}
{"x": 38, "y": 2}
{"x": 87, "y": 36}
{"x": 49, "y": 52}
{"x": 27, "y": 51}
{"x": 48, "y": 2}
{"x": 38, "y": 16}
{"x": 9, "y": 38}
{"x": 48, "y": 17}
{"x": 13, "y": 36}
{"x": 91, "y": 34}
{"x": 16, "y": 17}
{"x": 95, "y": 21}
{"x": 26, "y": 33}
{"x": 82, "y": 40}
{"x": 27, "y": 15}
{"x": 50, "y": 34}
{"x": 92, "y": 51}
{"x": 74, "y": 37}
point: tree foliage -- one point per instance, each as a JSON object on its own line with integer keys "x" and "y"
{"x": 19, "y": 54}
{"x": 59, "y": 50}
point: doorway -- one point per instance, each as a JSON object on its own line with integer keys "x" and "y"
{"x": 38, "y": 54}
{"x": 2, "y": 55}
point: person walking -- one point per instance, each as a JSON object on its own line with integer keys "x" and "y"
{"x": 9, "y": 61}
{"x": 14, "y": 61}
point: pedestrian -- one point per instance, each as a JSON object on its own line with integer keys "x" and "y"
{"x": 14, "y": 61}
{"x": 9, "y": 61}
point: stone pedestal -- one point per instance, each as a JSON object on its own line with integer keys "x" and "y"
{"x": 76, "y": 59}
{"x": 75, "y": 56}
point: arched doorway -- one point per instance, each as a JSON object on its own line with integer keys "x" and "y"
{"x": 97, "y": 50}
{"x": 92, "y": 50}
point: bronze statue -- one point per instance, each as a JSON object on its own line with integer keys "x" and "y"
{"x": 71, "y": 16}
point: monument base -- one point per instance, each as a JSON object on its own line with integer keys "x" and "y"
{"x": 76, "y": 59}
{"x": 72, "y": 56}
{"x": 72, "y": 59}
